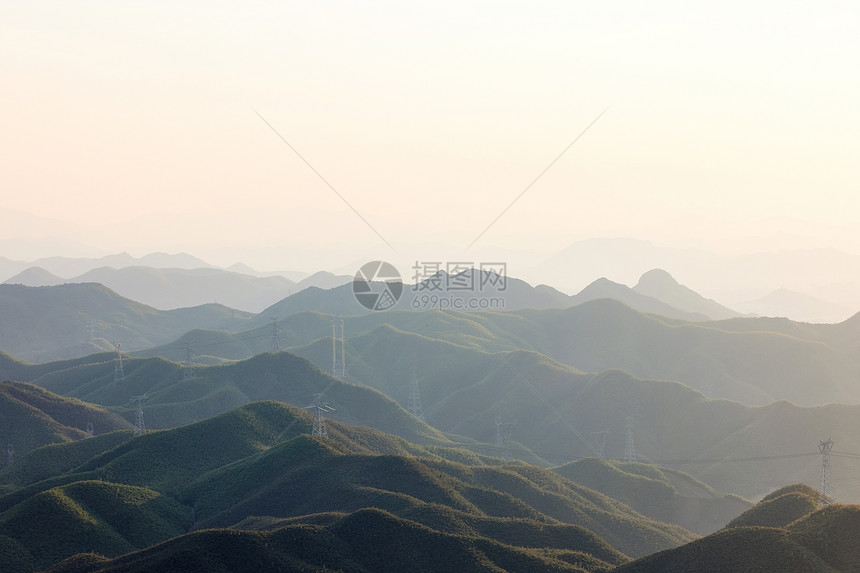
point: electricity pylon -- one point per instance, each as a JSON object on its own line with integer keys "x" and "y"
{"x": 187, "y": 364}
{"x": 276, "y": 335}
{"x": 139, "y": 427}
{"x": 629, "y": 448}
{"x": 319, "y": 408}
{"x": 503, "y": 434}
{"x": 414, "y": 405}
{"x": 118, "y": 372}
{"x": 825, "y": 488}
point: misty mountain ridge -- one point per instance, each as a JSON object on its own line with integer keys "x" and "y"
{"x": 473, "y": 289}
{"x": 800, "y": 307}
{"x": 828, "y": 274}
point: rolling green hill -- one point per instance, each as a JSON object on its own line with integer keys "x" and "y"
{"x": 780, "y": 508}
{"x": 255, "y": 466}
{"x": 730, "y": 446}
{"x": 174, "y": 400}
{"x": 51, "y": 323}
{"x": 304, "y": 476}
{"x": 660, "y": 493}
{"x": 734, "y": 448}
{"x": 108, "y": 518}
{"x": 31, "y": 417}
{"x": 367, "y": 540}
{"x": 820, "y": 541}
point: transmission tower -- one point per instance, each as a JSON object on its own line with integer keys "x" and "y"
{"x": 629, "y": 448}
{"x": 333, "y": 350}
{"x": 139, "y": 427}
{"x": 187, "y": 364}
{"x": 415, "y": 400}
{"x": 825, "y": 488}
{"x": 600, "y": 443}
{"x": 335, "y": 371}
{"x": 90, "y": 429}
{"x": 276, "y": 335}
{"x": 319, "y": 408}
{"x": 10, "y": 454}
{"x": 503, "y": 434}
{"x": 342, "y": 352}
{"x": 118, "y": 372}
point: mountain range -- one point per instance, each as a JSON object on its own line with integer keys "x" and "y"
{"x": 465, "y": 392}
{"x": 319, "y": 501}
{"x": 172, "y": 288}
{"x": 72, "y": 320}
{"x": 786, "y": 531}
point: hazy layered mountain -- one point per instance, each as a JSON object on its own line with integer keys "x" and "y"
{"x": 35, "y": 277}
{"x": 70, "y": 320}
{"x": 175, "y": 399}
{"x": 605, "y": 289}
{"x": 71, "y": 267}
{"x": 323, "y": 280}
{"x": 659, "y": 284}
{"x": 557, "y": 408}
{"x": 469, "y": 290}
{"x": 800, "y": 307}
{"x": 824, "y": 273}
{"x": 752, "y": 360}
{"x": 464, "y": 390}
{"x": 255, "y": 468}
{"x": 171, "y": 288}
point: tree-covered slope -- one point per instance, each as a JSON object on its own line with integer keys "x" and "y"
{"x": 257, "y": 465}
{"x": 820, "y": 541}
{"x": 660, "y": 493}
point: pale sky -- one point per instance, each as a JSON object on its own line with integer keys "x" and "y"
{"x": 732, "y": 126}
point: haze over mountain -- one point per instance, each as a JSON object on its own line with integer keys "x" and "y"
{"x": 798, "y": 306}
{"x": 738, "y": 282}
{"x": 71, "y": 320}
{"x": 752, "y": 360}
{"x": 464, "y": 390}
{"x": 827, "y": 274}
{"x": 474, "y": 290}
{"x": 71, "y": 266}
{"x": 168, "y": 289}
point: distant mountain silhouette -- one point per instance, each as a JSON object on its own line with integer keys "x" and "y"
{"x": 659, "y": 284}
{"x": 35, "y": 277}
{"x": 171, "y": 288}
{"x": 447, "y": 292}
{"x": 801, "y": 307}
{"x": 729, "y": 279}
{"x": 71, "y": 320}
